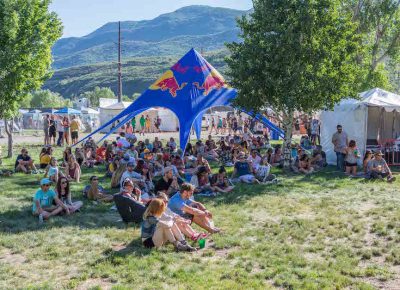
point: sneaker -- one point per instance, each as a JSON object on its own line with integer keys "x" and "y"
{"x": 391, "y": 179}
{"x": 180, "y": 247}
{"x": 189, "y": 248}
{"x": 40, "y": 219}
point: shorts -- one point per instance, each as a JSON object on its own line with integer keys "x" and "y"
{"x": 148, "y": 243}
{"x": 46, "y": 132}
{"x": 188, "y": 216}
{"x": 52, "y": 133}
{"x": 74, "y": 135}
{"x": 348, "y": 164}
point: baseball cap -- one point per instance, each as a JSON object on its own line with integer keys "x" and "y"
{"x": 126, "y": 157}
{"x": 130, "y": 164}
{"x": 146, "y": 151}
{"x": 45, "y": 181}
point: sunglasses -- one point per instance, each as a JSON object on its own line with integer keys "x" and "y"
{"x": 46, "y": 185}
{"x": 64, "y": 182}
{"x": 95, "y": 179}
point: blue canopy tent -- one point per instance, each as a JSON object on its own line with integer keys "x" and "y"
{"x": 188, "y": 89}
{"x": 67, "y": 111}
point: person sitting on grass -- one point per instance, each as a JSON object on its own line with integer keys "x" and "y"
{"x": 378, "y": 168}
{"x": 220, "y": 182}
{"x": 64, "y": 194}
{"x": 367, "y": 157}
{"x": 45, "y": 156}
{"x": 96, "y": 192}
{"x": 168, "y": 183}
{"x": 25, "y": 163}
{"x": 305, "y": 164}
{"x": 263, "y": 172}
{"x": 130, "y": 173}
{"x": 73, "y": 170}
{"x": 52, "y": 171}
{"x": 128, "y": 203}
{"x": 156, "y": 232}
{"x": 201, "y": 182}
{"x": 183, "y": 224}
{"x": 254, "y": 159}
{"x": 242, "y": 170}
{"x": 200, "y": 161}
{"x": 318, "y": 159}
{"x": 183, "y": 204}
{"x": 350, "y": 160}
{"x": 43, "y": 200}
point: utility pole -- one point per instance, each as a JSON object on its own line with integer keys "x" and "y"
{"x": 119, "y": 64}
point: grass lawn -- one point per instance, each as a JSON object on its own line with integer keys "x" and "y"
{"x": 323, "y": 231}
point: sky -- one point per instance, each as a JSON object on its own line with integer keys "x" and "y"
{"x": 81, "y": 17}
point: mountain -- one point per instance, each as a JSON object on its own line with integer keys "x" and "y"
{"x": 202, "y": 27}
{"x": 138, "y": 74}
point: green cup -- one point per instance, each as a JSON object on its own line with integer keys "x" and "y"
{"x": 202, "y": 243}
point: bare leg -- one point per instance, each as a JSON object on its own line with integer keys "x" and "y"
{"x": 204, "y": 223}
{"x": 75, "y": 206}
{"x": 177, "y": 233}
{"x": 186, "y": 229}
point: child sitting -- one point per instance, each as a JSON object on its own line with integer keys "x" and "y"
{"x": 263, "y": 172}
{"x": 155, "y": 231}
{"x": 220, "y": 182}
{"x": 52, "y": 171}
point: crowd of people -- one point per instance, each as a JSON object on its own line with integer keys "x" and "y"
{"x": 157, "y": 183}
{"x": 66, "y": 127}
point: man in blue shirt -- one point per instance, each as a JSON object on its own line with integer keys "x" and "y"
{"x": 43, "y": 206}
{"x": 183, "y": 204}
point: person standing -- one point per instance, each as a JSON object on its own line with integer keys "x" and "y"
{"x": 60, "y": 130}
{"x": 147, "y": 124}
{"x": 66, "y": 125}
{"x": 46, "y": 125}
{"x": 52, "y": 131}
{"x": 340, "y": 143}
{"x": 142, "y": 124}
{"x": 133, "y": 122}
{"x": 75, "y": 126}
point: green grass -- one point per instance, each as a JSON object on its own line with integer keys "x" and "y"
{"x": 323, "y": 231}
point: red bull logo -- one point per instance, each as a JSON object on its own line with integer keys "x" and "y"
{"x": 213, "y": 81}
{"x": 168, "y": 82}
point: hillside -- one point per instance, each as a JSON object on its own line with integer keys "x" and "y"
{"x": 168, "y": 34}
{"x": 138, "y": 74}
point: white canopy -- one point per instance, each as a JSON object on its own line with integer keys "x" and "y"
{"x": 372, "y": 118}
{"x": 89, "y": 111}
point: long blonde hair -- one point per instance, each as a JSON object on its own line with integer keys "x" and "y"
{"x": 117, "y": 174}
{"x": 155, "y": 208}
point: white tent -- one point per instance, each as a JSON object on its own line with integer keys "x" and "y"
{"x": 373, "y": 118}
{"x": 110, "y": 111}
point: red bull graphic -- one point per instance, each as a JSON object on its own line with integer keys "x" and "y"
{"x": 168, "y": 82}
{"x": 213, "y": 81}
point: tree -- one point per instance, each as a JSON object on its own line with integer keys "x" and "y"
{"x": 378, "y": 22}
{"x": 48, "y": 99}
{"x": 95, "y": 95}
{"x": 27, "y": 32}
{"x": 296, "y": 55}
{"x": 26, "y": 101}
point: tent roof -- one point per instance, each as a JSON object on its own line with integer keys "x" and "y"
{"x": 89, "y": 111}
{"x": 118, "y": 106}
{"x": 374, "y": 98}
{"x": 67, "y": 111}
